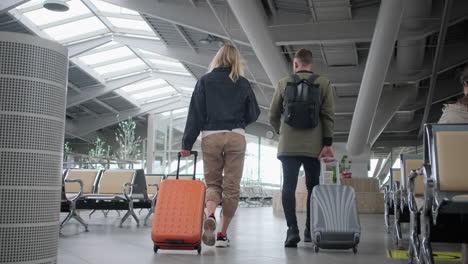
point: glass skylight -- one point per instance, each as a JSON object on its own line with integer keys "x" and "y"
{"x": 156, "y": 56}
{"x": 89, "y": 19}
{"x": 129, "y": 24}
{"x": 43, "y": 16}
{"x": 176, "y": 72}
{"x": 107, "y": 55}
{"x": 74, "y": 29}
{"x": 144, "y": 85}
{"x": 106, "y": 7}
{"x": 153, "y": 93}
{"x": 168, "y": 65}
{"x": 119, "y": 66}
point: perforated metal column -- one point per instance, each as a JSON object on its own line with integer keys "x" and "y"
{"x": 33, "y": 78}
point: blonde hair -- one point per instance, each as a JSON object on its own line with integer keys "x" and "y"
{"x": 228, "y": 56}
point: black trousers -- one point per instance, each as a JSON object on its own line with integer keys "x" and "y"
{"x": 291, "y": 166}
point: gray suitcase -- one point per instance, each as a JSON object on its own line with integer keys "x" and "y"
{"x": 334, "y": 218}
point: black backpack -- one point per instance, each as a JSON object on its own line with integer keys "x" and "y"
{"x": 302, "y": 97}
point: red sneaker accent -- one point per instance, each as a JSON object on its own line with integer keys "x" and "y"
{"x": 212, "y": 215}
{"x": 220, "y": 234}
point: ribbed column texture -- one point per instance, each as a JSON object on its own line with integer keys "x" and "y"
{"x": 33, "y": 81}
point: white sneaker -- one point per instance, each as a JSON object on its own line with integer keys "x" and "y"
{"x": 209, "y": 229}
{"x": 222, "y": 241}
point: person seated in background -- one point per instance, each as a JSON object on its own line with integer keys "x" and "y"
{"x": 458, "y": 113}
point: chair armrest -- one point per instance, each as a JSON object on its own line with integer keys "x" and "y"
{"x": 81, "y": 188}
{"x": 125, "y": 187}
{"x": 157, "y": 190}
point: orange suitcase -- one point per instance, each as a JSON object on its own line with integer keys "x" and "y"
{"x": 178, "y": 216}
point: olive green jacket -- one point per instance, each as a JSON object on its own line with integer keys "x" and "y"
{"x": 303, "y": 142}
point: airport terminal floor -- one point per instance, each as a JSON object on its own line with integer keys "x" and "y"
{"x": 257, "y": 237}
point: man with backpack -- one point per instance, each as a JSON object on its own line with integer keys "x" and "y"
{"x": 305, "y": 101}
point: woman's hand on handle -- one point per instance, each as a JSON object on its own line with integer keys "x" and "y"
{"x": 185, "y": 153}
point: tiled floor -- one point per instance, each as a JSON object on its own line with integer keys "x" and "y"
{"x": 257, "y": 236}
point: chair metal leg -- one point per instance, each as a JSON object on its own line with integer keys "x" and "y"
{"x": 150, "y": 212}
{"x": 414, "y": 247}
{"x": 66, "y": 220}
{"x": 129, "y": 213}
{"x": 426, "y": 248}
{"x": 105, "y": 212}
{"x": 387, "y": 220}
{"x": 148, "y": 216}
{"x": 81, "y": 221}
{"x": 74, "y": 214}
{"x": 91, "y": 213}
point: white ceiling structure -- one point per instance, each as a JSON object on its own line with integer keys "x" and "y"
{"x": 130, "y": 58}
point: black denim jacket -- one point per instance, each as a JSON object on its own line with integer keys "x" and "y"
{"x": 219, "y": 104}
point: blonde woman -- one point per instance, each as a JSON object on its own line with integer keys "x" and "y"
{"x": 222, "y": 105}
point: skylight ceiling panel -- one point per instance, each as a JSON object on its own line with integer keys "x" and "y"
{"x": 83, "y": 27}
{"x": 144, "y": 85}
{"x": 107, "y": 7}
{"x": 164, "y": 91}
{"x": 43, "y": 16}
{"x": 130, "y": 24}
{"x": 167, "y": 65}
{"x": 107, "y": 55}
{"x": 119, "y": 66}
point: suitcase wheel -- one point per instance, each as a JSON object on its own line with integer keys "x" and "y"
{"x": 316, "y": 249}
{"x": 354, "y": 249}
{"x": 155, "y": 249}
{"x": 199, "y": 249}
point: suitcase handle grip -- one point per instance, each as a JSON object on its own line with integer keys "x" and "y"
{"x": 195, "y": 154}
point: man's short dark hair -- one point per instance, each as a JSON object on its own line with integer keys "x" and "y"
{"x": 304, "y": 57}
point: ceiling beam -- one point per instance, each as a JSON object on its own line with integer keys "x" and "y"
{"x": 437, "y": 61}
{"x": 292, "y": 29}
{"x": 77, "y": 49}
{"x": 91, "y": 93}
{"x": 105, "y": 105}
{"x": 6, "y": 5}
{"x": 288, "y": 28}
{"x": 183, "y": 13}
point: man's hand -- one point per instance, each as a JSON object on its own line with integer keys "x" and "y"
{"x": 327, "y": 152}
{"x": 185, "y": 153}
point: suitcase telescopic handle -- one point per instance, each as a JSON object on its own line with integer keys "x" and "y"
{"x": 195, "y": 154}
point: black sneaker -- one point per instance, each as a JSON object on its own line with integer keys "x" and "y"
{"x": 307, "y": 236}
{"x": 222, "y": 240}
{"x": 292, "y": 237}
{"x": 209, "y": 229}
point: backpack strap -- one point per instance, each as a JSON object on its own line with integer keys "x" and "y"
{"x": 296, "y": 78}
{"x": 313, "y": 78}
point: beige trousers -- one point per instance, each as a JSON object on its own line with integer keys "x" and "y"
{"x": 224, "y": 152}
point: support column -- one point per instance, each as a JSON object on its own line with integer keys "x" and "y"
{"x": 251, "y": 16}
{"x": 380, "y": 55}
{"x": 150, "y": 144}
{"x": 33, "y": 81}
